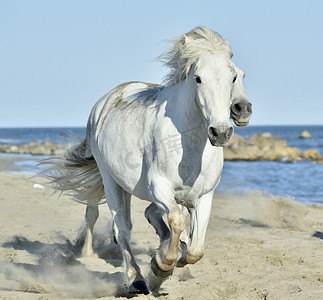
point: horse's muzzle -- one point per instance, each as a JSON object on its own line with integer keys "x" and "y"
{"x": 220, "y": 137}
{"x": 241, "y": 110}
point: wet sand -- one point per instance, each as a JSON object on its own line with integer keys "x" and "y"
{"x": 7, "y": 163}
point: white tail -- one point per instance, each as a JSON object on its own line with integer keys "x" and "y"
{"x": 77, "y": 174}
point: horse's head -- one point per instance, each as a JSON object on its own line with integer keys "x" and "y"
{"x": 202, "y": 58}
{"x": 240, "y": 108}
{"x": 214, "y": 76}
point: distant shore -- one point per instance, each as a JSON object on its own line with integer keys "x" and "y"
{"x": 258, "y": 147}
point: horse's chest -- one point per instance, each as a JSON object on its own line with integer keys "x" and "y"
{"x": 188, "y": 195}
{"x": 197, "y": 177}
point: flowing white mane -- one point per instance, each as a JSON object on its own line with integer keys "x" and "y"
{"x": 186, "y": 50}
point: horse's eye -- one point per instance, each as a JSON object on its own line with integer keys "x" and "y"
{"x": 234, "y": 79}
{"x": 198, "y": 79}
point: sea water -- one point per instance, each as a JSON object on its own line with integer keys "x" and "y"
{"x": 301, "y": 180}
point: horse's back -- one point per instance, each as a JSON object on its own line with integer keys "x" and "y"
{"x": 129, "y": 94}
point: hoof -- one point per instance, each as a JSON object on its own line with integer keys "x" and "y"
{"x": 138, "y": 287}
{"x": 181, "y": 263}
{"x": 158, "y": 271}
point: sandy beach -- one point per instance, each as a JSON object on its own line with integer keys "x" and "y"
{"x": 257, "y": 247}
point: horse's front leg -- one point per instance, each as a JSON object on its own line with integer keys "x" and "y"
{"x": 154, "y": 216}
{"x": 200, "y": 216}
{"x": 164, "y": 261}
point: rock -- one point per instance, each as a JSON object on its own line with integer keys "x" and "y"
{"x": 311, "y": 154}
{"x": 279, "y": 150}
{"x": 36, "y": 148}
{"x": 259, "y": 147}
{"x": 269, "y": 135}
{"x": 291, "y": 153}
{"x": 305, "y": 135}
{"x": 266, "y": 135}
{"x": 13, "y": 148}
{"x": 240, "y": 149}
{"x": 262, "y": 142}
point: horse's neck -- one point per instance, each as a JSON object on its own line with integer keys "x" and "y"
{"x": 187, "y": 117}
{"x": 183, "y": 110}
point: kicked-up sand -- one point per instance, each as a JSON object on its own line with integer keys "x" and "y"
{"x": 257, "y": 247}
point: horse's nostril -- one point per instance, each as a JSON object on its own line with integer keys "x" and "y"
{"x": 237, "y": 108}
{"x": 222, "y": 136}
{"x": 213, "y": 132}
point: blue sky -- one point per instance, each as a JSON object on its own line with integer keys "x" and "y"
{"x": 57, "y": 58}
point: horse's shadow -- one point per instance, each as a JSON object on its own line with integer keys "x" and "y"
{"x": 57, "y": 265}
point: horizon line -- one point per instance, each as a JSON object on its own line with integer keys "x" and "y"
{"x": 84, "y": 126}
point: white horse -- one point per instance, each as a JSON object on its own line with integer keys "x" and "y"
{"x": 163, "y": 144}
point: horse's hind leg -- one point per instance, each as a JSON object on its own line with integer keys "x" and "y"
{"x": 91, "y": 215}
{"x": 127, "y": 208}
{"x": 118, "y": 200}
{"x": 127, "y": 212}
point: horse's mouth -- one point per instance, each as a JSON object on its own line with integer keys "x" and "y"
{"x": 241, "y": 124}
{"x": 238, "y": 122}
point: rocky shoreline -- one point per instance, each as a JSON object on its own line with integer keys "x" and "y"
{"x": 266, "y": 147}
{"x": 258, "y": 147}
{"x": 33, "y": 148}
